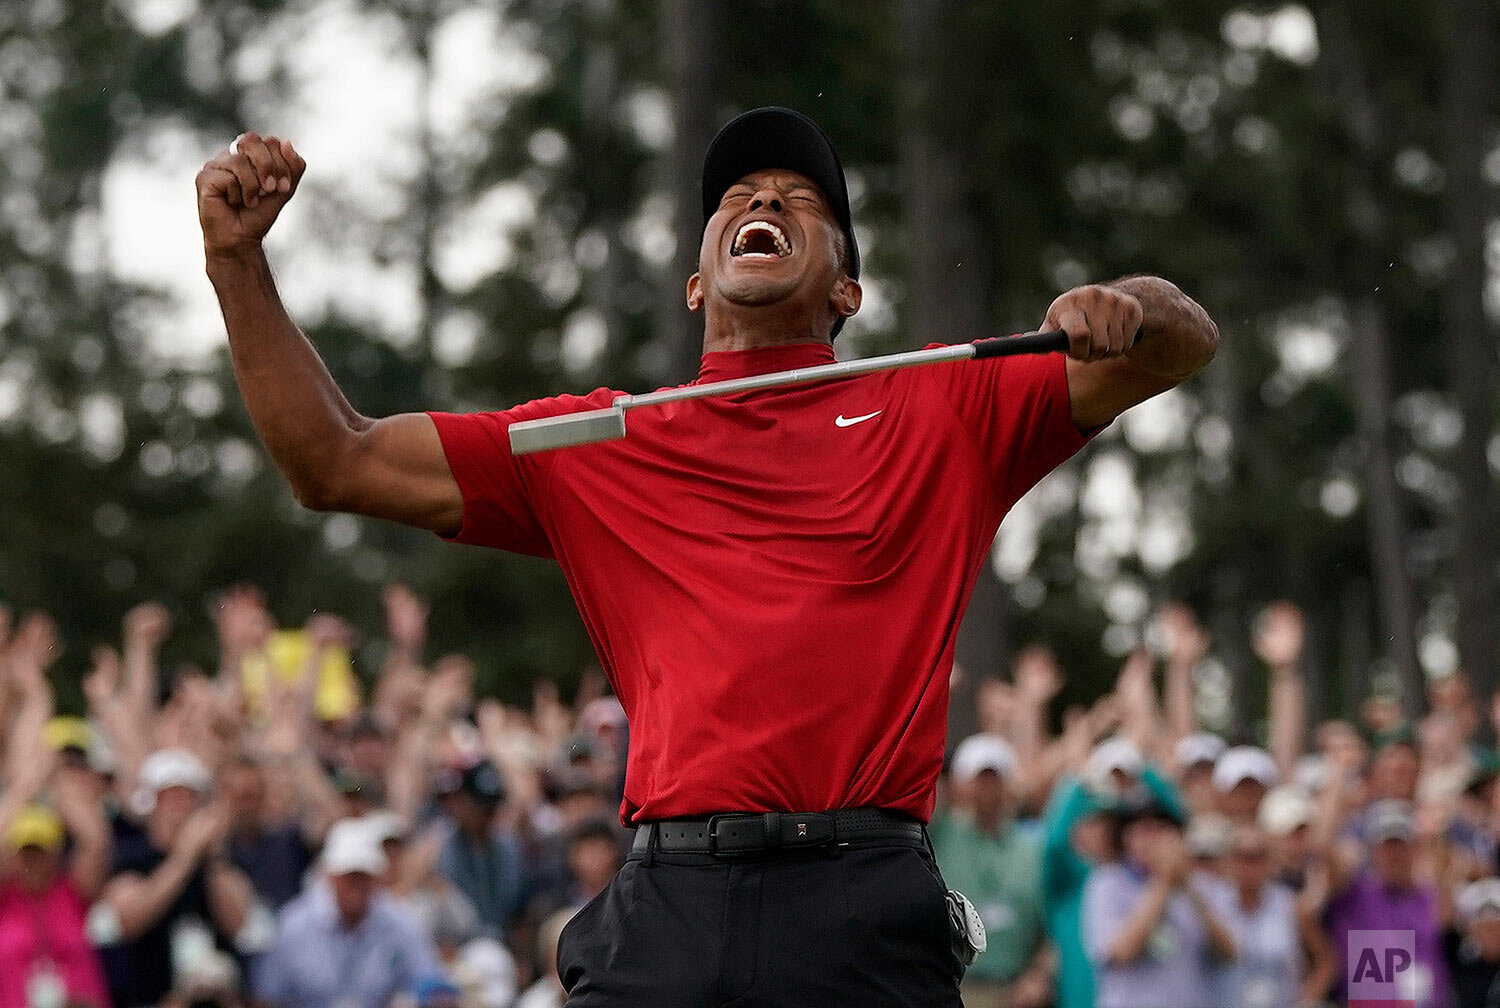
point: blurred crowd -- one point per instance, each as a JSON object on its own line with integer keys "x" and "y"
{"x": 1135, "y": 860}
{"x": 271, "y": 832}
{"x": 265, "y": 834}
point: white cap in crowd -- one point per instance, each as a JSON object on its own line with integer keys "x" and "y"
{"x": 1209, "y": 835}
{"x": 1284, "y": 810}
{"x": 982, "y": 752}
{"x": 167, "y": 768}
{"x": 1480, "y": 898}
{"x": 385, "y": 825}
{"x": 1390, "y": 819}
{"x": 1109, "y": 756}
{"x": 1310, "y": 773}
{"x": 1199, "y": 747}
{"x": 1243, "y": 763}
{"x": 353, "y": 846}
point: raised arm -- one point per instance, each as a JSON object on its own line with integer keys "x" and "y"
{"x": 1038, "y": 678}
{"x": 444, "y": 694}
{"x": 1106, "y": 374}
{"x": 334, "y": 458}
{"x": 1141, "y": 721}
{"x": 144, "y": 630}
{"x": 399, "y": 689}
{"x": 1278, "y": 642}
{"x": 30, "y": 654}
{"x": 83, "y": 815}
{"x": 1186, "y": 645}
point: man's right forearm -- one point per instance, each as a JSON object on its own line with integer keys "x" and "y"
{"x": 303, "y": 418}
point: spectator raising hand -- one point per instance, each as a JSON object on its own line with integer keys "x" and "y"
{"x": 145, "y": 628}
{"x": 1278, "y": 641}
{"x": 45, "y": 889}
{"x": 216, "y": 810}
{"x": 75, "y": 798}
{"x": 28, "y": 656}
{"x": 31, "y": 652}
{"x": 398, "y": 695}
{"x": 173, "y": 879}
{"x": 1137, "y": 699}
{"x": 1185, "y": 644}
{"x": 243, "y": 626}
{"x": 1132, "y": 858}
{"x": 996, "y": 701}
{"x": 1279, "y": 634}
{"x": 405, "y": 620}
{"x": 1038, "y": 678}
{"x": 553, "y": 722}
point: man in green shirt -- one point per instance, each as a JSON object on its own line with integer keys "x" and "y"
{"x": 996, "y": 862}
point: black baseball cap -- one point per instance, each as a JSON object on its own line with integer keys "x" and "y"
{"x": 481, "y": 781}
{"x": 775, "y": 137}
{"x": 1145, "y": 805}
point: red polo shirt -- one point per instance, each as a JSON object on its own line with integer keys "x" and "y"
{"x": 773, "y": 580}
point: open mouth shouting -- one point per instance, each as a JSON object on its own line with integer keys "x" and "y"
{"x": 760, "y": 239}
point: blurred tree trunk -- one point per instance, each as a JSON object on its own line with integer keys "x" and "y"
{"x": 599, "y": 97}
{"x": 1369, "y": 355}
{"x": 1468, "y": 87}
{"x": 420, "y": 17}
{"x": 1225, "y": 621}
{"x": 952, "y": 286}
{"x": 691, "y": 29}
{"x": 1354, "y": 630}
{"x": 1370, "y": 130}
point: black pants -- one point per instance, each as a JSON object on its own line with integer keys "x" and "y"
{"x": 868, "y": 928}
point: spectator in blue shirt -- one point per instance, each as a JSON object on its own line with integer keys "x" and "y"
{"x": 344, "y": 942}
{"x": 1148, "y": 925}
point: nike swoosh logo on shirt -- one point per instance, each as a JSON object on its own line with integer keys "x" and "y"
{"x": 843, "y": 421}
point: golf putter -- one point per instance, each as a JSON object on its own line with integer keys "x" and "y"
{"x": 592, "y": 426}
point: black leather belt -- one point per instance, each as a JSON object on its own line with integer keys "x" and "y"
{"x": 737, "y": 834}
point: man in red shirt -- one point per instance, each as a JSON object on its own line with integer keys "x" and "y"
{"x": 772, "y": 579}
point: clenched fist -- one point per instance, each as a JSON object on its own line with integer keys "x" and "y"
{"x": 241, "y": 191}
{"x": 1100, "y": 321}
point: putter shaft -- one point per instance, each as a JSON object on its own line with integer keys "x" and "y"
{"x": 590, "y": 426}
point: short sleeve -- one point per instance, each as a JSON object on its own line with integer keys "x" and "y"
{"x": 502, "y": 492}
{"x": 1019, "y": 413}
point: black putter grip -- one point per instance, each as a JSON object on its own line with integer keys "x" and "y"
{"x": 1032, "y": 342}
{"x": 1051, "y": 341}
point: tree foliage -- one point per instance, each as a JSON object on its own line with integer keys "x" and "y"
{"x": 1284, "y": 165}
